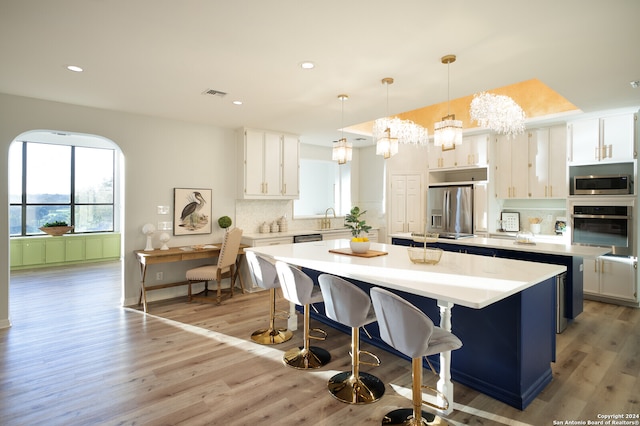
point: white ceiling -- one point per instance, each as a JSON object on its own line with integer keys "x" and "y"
{"x": 156, "y": 57}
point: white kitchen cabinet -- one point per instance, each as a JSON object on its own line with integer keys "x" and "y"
{"x": 512, "y": 166}
{"x": 269, "y": 166}
{"x": 611, "y": 277}
{"x": 290, "y": 166}
{"x": 548, "y": 163}
{"x": 473, "y": 152}
{"x": 439, "y": 159}
{"x": 608, "y": 139}
{"x": 406, "y": 203}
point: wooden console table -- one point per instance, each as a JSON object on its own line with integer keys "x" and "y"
{"x": 179, "y": 254}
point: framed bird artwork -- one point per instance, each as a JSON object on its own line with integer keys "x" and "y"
{"x": 191, "y": 211}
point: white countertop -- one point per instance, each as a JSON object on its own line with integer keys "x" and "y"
{"x": 546, "y": 245}
{"x": 463, "y": 279}
{"x": 249, "y": 237}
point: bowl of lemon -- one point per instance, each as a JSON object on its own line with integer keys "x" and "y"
{"x": 359, "y": 245}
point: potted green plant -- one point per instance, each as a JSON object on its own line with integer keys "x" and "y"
{"x": 56, "y": 228}
{"x": 224, "y": 222}
{"x": 354, "y": 221}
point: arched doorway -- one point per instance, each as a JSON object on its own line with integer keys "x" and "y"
{"x": 97, "y": 213}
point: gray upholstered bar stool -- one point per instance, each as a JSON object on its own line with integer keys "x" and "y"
{"x": 264, "y": 274}
{"x": 297, "y": 287}
{"x": 411, "y": 332}
{"x": 349, "y": 305}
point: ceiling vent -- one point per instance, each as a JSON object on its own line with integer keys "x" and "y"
{"x": 213, "y": 92}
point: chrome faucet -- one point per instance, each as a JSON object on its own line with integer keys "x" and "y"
{"x": 326, "y": 223}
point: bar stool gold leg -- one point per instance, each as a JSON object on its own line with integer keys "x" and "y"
{"x": 306, "y": 357}
{"x": 354, "y": 387}
{"x": 413, "y": 416}
{"x": 271, "y": 335}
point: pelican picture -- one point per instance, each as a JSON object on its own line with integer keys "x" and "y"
{"x": 192, "y": 210}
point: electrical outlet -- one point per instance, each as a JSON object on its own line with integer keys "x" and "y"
{"x": 549, "y": 218}
{"x": 159, "y": 276}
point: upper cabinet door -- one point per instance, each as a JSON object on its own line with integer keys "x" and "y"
{"x": 269, "y": 166}
{"x": 473, "y": 151}
{"x": 558, "y": 170}
{"x": 253, "y": 167}
{"x": 512, "y": 172}
{"x": 290, "y": 166}
{"x": 585, "y": 141}
{"x": 609, "y": 139}
{"x": 618, "y": 138}
{"x": 548, "y": 163}
{"x": 272, "y": 157}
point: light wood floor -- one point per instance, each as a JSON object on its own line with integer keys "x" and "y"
{"x": 75, "y": 357}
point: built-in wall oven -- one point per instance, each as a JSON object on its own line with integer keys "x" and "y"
{"x": 601, "y": 223}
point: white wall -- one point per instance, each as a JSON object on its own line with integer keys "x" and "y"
{"x": 159, "y": 156}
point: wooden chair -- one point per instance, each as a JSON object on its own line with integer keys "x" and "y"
{"x": 224, "y": 268}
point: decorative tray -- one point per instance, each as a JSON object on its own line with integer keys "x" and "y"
{"x": 368, "y": 253}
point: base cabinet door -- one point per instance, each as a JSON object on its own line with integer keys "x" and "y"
{"x": 618, "y": 278}
{"x": 591, "y": 279}
{"x": 611, "y": 277}
{"x": 33, "y": 253}
{"x": 54, "y": 250}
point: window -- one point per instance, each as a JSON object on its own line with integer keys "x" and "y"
{"x": 50, "y": 182}
{"x": 323, "y": 184}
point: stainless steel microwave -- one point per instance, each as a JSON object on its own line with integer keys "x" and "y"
{"x": 602, "y": 185}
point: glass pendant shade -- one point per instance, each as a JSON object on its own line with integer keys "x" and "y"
{"x": 388, "y": 132}
{"x": 448, "y": 132}
{"x": 386, "y": 145}
{"x": 342, "y": 151}
{"x": 497, "y": 112}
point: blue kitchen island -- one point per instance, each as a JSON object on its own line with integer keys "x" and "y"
{"x": 503, "y": 310}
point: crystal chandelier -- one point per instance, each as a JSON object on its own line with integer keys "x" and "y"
{"x": 342, "y": 150}
{"x": 448, "y": 132}
{"x": 497, "y": 112}
{"x": 389, "y": 132}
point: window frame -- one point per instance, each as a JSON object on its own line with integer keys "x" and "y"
{"x": 72, "y": 195}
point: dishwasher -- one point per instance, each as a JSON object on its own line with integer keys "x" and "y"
{"x": 307, "y": 238}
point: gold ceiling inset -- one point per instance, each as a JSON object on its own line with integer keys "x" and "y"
{"x": 536, "y": 99}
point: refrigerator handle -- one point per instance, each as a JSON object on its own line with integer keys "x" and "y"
{"x": 446, "y": 206}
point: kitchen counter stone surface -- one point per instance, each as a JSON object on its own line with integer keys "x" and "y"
{"x": 463, "y": 279}
{"x": 293, "y": 232}
{"x": 544, "y": 244}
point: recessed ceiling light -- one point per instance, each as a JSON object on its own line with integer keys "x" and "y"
{"x": 237, "y": 102}
{"x": 74, "y": 68}
{"x": 307, "y": 65}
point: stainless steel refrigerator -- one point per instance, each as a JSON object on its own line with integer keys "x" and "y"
{"x": 450, "y": 211}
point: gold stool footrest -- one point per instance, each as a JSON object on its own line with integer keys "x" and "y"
{"x": 376, "y": 362}
{"x": 438, "y": 393}
{"x": 318, "y": 330}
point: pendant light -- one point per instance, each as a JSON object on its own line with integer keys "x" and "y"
{"x": 386, "y": 144}
{"x": 342, "y": 150}
{"x": 448, "y": 132}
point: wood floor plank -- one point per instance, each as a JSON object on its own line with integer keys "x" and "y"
{"x": 73, "y": 356}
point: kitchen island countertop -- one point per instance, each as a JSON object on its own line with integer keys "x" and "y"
{"x": 467, "y": 280}
{"x": 543, "y": 246}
